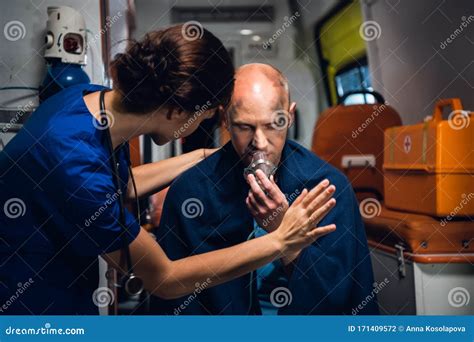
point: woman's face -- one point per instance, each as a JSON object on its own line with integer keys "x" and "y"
{"x": 180, "y": 125}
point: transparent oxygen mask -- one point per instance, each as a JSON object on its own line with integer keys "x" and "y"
{"x": 260, "y": 162}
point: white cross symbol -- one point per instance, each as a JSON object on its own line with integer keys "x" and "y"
{"x": 407, "y": 144}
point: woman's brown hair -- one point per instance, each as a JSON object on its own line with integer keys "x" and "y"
{"x": 171, "y": 67}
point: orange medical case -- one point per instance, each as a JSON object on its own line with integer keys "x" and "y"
{"x": 429, "y": 167}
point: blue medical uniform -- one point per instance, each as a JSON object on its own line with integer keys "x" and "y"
{"x": 59, "y": 209}
{"x": 332, "y": 276}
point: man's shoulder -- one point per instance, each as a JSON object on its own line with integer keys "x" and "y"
{"x": 200, "y": 175}
{"x": 312, "y": 166}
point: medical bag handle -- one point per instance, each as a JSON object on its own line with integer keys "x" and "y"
{"x": 454, "y": 103}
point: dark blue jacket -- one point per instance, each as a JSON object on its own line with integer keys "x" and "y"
{"x": 205, "y": 210}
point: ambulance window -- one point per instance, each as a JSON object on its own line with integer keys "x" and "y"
{"x": 354, "y": 78}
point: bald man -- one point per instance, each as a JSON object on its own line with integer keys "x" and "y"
{"x": 212, "y": 206}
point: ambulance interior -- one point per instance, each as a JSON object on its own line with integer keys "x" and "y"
{"x": 384, "y": 92}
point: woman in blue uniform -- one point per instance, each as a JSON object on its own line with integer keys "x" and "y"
{"x": 65, "y": 176}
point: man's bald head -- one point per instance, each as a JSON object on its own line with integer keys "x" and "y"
{"x": 260, "y": 112}
{"x": 257, "y": 81}
{"x": 254, "y": 72}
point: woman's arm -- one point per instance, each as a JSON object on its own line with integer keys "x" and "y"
{"x": 153, "y": 177}
{"x": 172, "y": 279}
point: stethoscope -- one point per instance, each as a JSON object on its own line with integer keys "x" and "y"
{"x": 132, "y": 284}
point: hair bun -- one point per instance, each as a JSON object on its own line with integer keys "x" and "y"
{"x": 168, "y": 68}
{"x": 144, "y": 64}
{"x": 152, "y": 58}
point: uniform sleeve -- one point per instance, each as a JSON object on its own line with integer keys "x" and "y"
{"x": 81, "y": 187}
{"x": 334, "y": 275}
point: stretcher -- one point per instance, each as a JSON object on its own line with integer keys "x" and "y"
{"x": 426, "y": 264}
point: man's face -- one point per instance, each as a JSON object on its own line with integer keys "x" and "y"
{"x": 259, "y": 124}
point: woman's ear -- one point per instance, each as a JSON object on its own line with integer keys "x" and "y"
{"x": 224, "y": 113}
{"x": 175, "y": 114}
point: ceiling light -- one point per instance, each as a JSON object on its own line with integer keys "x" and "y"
{"x": 246, "y": 32}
